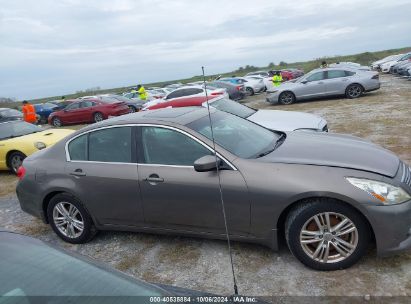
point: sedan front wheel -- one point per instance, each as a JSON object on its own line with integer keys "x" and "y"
{"x": 325, "y": 234}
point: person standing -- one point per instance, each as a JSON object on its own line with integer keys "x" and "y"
{"x": 29, "y": 112}
{"x": 142, "y": 92}
{"x": 324, "y": 65}
{"x": 277, "y": 79}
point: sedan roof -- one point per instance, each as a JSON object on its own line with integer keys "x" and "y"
{"x": 182, "y": 116}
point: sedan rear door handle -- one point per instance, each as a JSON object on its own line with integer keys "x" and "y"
{"x": 78, "y": 172}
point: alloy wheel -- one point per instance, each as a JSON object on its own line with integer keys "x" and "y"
{"x": 329, "y": 237}
{"x": 16, "y": 162}
{"x": 56, "y": 122}
{"x": 68, "y": 220}
{"x": 354, "y": 91}
{"x": 287, "y": 98}
{"x": 98, "y": 117}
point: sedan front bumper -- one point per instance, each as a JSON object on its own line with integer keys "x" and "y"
{"x": 272, "y": 97}
{"x": 392, "y": 227}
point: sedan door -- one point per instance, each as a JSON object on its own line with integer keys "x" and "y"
{"x": 336, "y": 82}
{"x": 103, "y": 171}
{"x": 71, "y": 114}
{"x": 311, "y": 86}
{"x": 86, "y": 111}
{"x": 177, "y": 197}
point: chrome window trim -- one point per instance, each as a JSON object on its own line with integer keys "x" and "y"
{"x": 68, "y": 159}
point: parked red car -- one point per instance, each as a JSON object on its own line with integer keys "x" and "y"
{"x": 87, "y": 111}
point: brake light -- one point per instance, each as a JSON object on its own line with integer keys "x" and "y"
{"x": 376, "y": 76}
{"x": 216, "y": 93}
{"x": 239, "y": 88}
{"x": 21, "y": 172}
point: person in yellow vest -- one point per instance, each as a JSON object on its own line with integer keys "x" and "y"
{"x": 277, "y": 79}
{"x": 324, "y": 65}
{"x": 29, "y": 112}
{"x": 142, "y": 92}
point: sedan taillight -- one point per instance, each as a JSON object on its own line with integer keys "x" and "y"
{"x": 376, "y": 76}
{"x": 21, "y": 172}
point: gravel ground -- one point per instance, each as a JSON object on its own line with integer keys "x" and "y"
{"x": 382, "y": 117}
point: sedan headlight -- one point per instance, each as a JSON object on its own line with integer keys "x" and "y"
{"x": 40, "y": 145}
{"x": 385, "y": 193}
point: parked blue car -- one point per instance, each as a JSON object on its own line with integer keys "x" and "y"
{"x": 43, "y": 110}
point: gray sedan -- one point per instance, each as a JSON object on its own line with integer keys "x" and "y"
{"x": 329, "y": 195}
{"x": 325, "y": 82}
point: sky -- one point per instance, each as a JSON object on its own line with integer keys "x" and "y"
{"x": 50, "y": 48}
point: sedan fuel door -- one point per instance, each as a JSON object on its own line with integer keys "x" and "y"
{"x": 176, "y": 196}
{"x": 311, "y": 86}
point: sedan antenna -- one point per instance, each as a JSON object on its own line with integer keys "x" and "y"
{"x": 219, "y": 186}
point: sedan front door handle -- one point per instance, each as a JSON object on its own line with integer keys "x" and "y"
{"x": 153, "y": 179}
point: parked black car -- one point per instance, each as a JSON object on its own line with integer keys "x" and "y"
{"x": 33, "y": 268}
{"x": 233, "y": 92}
{"x": 7, "y": 114}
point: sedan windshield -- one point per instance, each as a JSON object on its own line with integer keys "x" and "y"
{"x": 10, "y": 112}
{"x": 230, "y": 106}
{"x": 237, "y": 135}
{"x": 16, "y": 129}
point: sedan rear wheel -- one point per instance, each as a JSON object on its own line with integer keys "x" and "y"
{"x": 250, "y": 91}
{"x": 326, "y": 234}
{"x": 286, "y": 98}
{"x": 69, "y": 219}
{"x": 354, "y": 91}
{"x": 15, "y": 160}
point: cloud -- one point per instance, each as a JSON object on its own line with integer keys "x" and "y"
{"x": 57, "y": 46}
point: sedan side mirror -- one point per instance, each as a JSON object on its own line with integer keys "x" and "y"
{"x": 206, "y": 163}
{"x": 304, "y": 81}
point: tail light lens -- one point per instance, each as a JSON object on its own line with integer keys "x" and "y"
{"x": 376, "y": 76}
{"x": 21, "y": 172}
{"x": 216, "y": 93}
{"x": 239, "y": 88}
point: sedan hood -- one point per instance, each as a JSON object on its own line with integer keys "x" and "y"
{"x": 49, "y": 136}
{"x": 287, "y": 120}
{"x": 334, "y": 150}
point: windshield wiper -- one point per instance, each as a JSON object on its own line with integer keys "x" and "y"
{"x": 279, "y": 141}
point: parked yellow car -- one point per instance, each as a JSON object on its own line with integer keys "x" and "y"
{"x": 19, "y": 139}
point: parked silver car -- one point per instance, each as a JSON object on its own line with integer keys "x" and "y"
{"x": 155, "y": 171}
{"x": 325, "y": 82}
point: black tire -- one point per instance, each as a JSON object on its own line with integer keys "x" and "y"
{"x": 15, "y": 160}
{"x": 89, "y": 230}
{"x": 302, "y": 214}
{"x": 132, "y": 109}
{"x": 354, "y": 90}
{"x": 98, "y": 117}
{"x": 56, "y": 122}
{"x": 250, "y": 91}
{"x": 286, "y": 98}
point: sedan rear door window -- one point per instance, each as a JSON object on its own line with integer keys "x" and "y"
{"x": 169, "y": 147}
{"x": 110, "y": 145}
{"x": 335, "y": 74}
{"x": 77, "y": 148}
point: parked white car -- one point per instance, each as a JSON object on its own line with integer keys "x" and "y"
{"x": 385, "y": 67}
{"x": 253, "y": 85}
{"x": 377, "y": 64}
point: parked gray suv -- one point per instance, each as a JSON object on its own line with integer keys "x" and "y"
{"x": 329, "y": 195}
